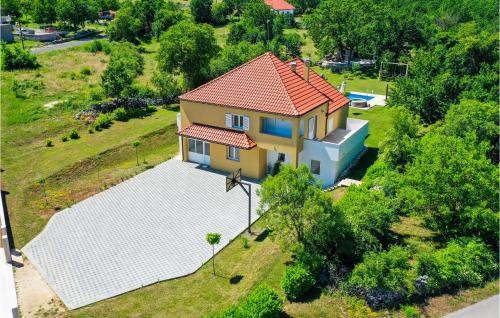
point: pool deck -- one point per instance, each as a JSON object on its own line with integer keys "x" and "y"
{"x": 377, "y": 100}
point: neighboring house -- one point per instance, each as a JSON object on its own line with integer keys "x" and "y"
{"x": 6, "y": 29}
{"x": 280, "y": 6}
{"x": 265, "y": 111}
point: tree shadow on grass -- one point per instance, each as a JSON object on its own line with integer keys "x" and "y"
{"x": 359, "y": 170}
{"x": 262, "y": 235}
{"x": 235, "y": 279}
{"x": 313, "y": 294}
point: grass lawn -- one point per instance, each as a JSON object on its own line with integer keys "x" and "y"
{"x": 359, "y": 84}
{"x": 69, "y": 168}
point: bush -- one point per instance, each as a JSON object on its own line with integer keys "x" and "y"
{"x": 15, "y": 57}
{"x": 49, "y": 143}
{"x": 103, "y": 121}
{"x": 26, "y": 88}
{"x": 460, "y": 264}
{"x": 383, "y": 278}
{"x": 73, "y": 134}
{"x": 245, "y": 242}
{"x": 410, "y": 312}
{"x": 313, "y": 262}
{"x": 120, "y": 114}
{"x": 262, "y": 302}
{"x": 86, "y": 71}
{"x": 296, "y": 281}
{"x": 98, "y": 46}
{"x": 167, "y": 85}
{"x": 64, "y": 138}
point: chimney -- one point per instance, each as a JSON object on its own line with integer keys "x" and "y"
{"x": 307, "y": 61}
{"x": 293, "y": 66}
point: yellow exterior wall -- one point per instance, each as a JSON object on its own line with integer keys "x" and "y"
{"x": 339, "y": 117}
{"x": 253, "y": 162}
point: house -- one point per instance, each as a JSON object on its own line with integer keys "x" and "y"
{"x": 6, "y": 29}
{"x": 280, "y": 6}
{"x": 266, "y": 111}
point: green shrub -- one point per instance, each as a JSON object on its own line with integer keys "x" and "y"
{"x": 262, "y": 302}
{"x": 244, "y": 241}
{"x": 48, "y": 143}
{"x": 91, "y": 131}
{"x": 383, "y": 279}
{"x": 73, "y": 134}
{"x": 460, "y": 264}
{"x": 410, "y": 312}
{"x": 103, "y": 121}
{"x": 312, "y": 261}
{"x": 296, "y": 281}
{"x": 98, "y": 46}
{"x": 120, "y": 114}
{"x": 85, "y": 70}
{"x": 64, "y": 138}
{"x": 14, "y": 57}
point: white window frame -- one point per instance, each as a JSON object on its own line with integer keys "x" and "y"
{"x": 319, "y": 167}
{"x": 233, "y": 153}
{"x": 239, "y": 120}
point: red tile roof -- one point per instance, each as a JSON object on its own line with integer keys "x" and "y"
{"x": 218, "y": 135}
{"x": 279, "y": 5}
{"x": 264, "y": 84}
{"x": 337, "y": 99}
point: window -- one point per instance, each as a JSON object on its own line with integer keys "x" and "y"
{"x": 198, "y": 146}
{"x": 276, "y": 127}
{"x": 311, "y": 129}
{"x": 302, "y": 128}
{"x": 238, "y": 121}
{"x": 233, "y": 153}
{"x": 330, "y": 124}
{"x": 315, "y": 167}
{"x": 192, "y": 145}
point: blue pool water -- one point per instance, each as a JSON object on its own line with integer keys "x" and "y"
{"x": 365, "y": 97}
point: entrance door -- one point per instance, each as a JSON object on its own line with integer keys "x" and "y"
{"x": 311, "y": 129}
{"x": 199, "y": 151}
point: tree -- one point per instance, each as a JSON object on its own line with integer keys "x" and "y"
{"x": 258, "y": 24}
{"x": 213, "y": 239}
{"x": 294, "y": 205}
{"x": 233, "y": 56}
{"x": 11, "y": 7}
{"x": 124, "y": 66}
{"x": 44, "y": 11}
{"x": 168, "y": 15}
{"x": 167, "y": 86}
{"x": 400, "y": 145}
{"x": 136, "y": 145}
{"x": 125, "y": 26}
{"x": 369, "y": 215}
{"x": 471, "y": 116}
{"x": 201, "y": 10}
{"x": 454, "y": 187}
{"x": 187, "y": 48}
{"x": 76, "y": 12}
{"x": 220, "y": 11}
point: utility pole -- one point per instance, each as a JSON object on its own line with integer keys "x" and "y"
{"x": 21, "y": 33}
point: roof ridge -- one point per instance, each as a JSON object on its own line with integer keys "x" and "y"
{"x": 296, "y": 112}
{"x": 324, "y": 80}
{"x": 224, "y": 75}
{"x": 302, "y": 78}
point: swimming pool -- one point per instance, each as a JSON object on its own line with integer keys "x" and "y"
{"x": 352, "y": 96}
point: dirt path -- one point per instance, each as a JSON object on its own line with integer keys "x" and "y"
{"x": 35, "y": 297}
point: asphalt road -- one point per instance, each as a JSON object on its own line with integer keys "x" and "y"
{"x": 60, "y": 46}
{"x": 488, "y": 308}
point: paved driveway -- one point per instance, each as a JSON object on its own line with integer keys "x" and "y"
{"x": 60, "y": 46}
{"x": 147, "y": 229}
{"x": 488, "y": 308}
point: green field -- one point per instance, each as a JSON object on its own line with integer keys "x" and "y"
{"x": 363, "y": 84}
{"x": 69, "y": 168}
